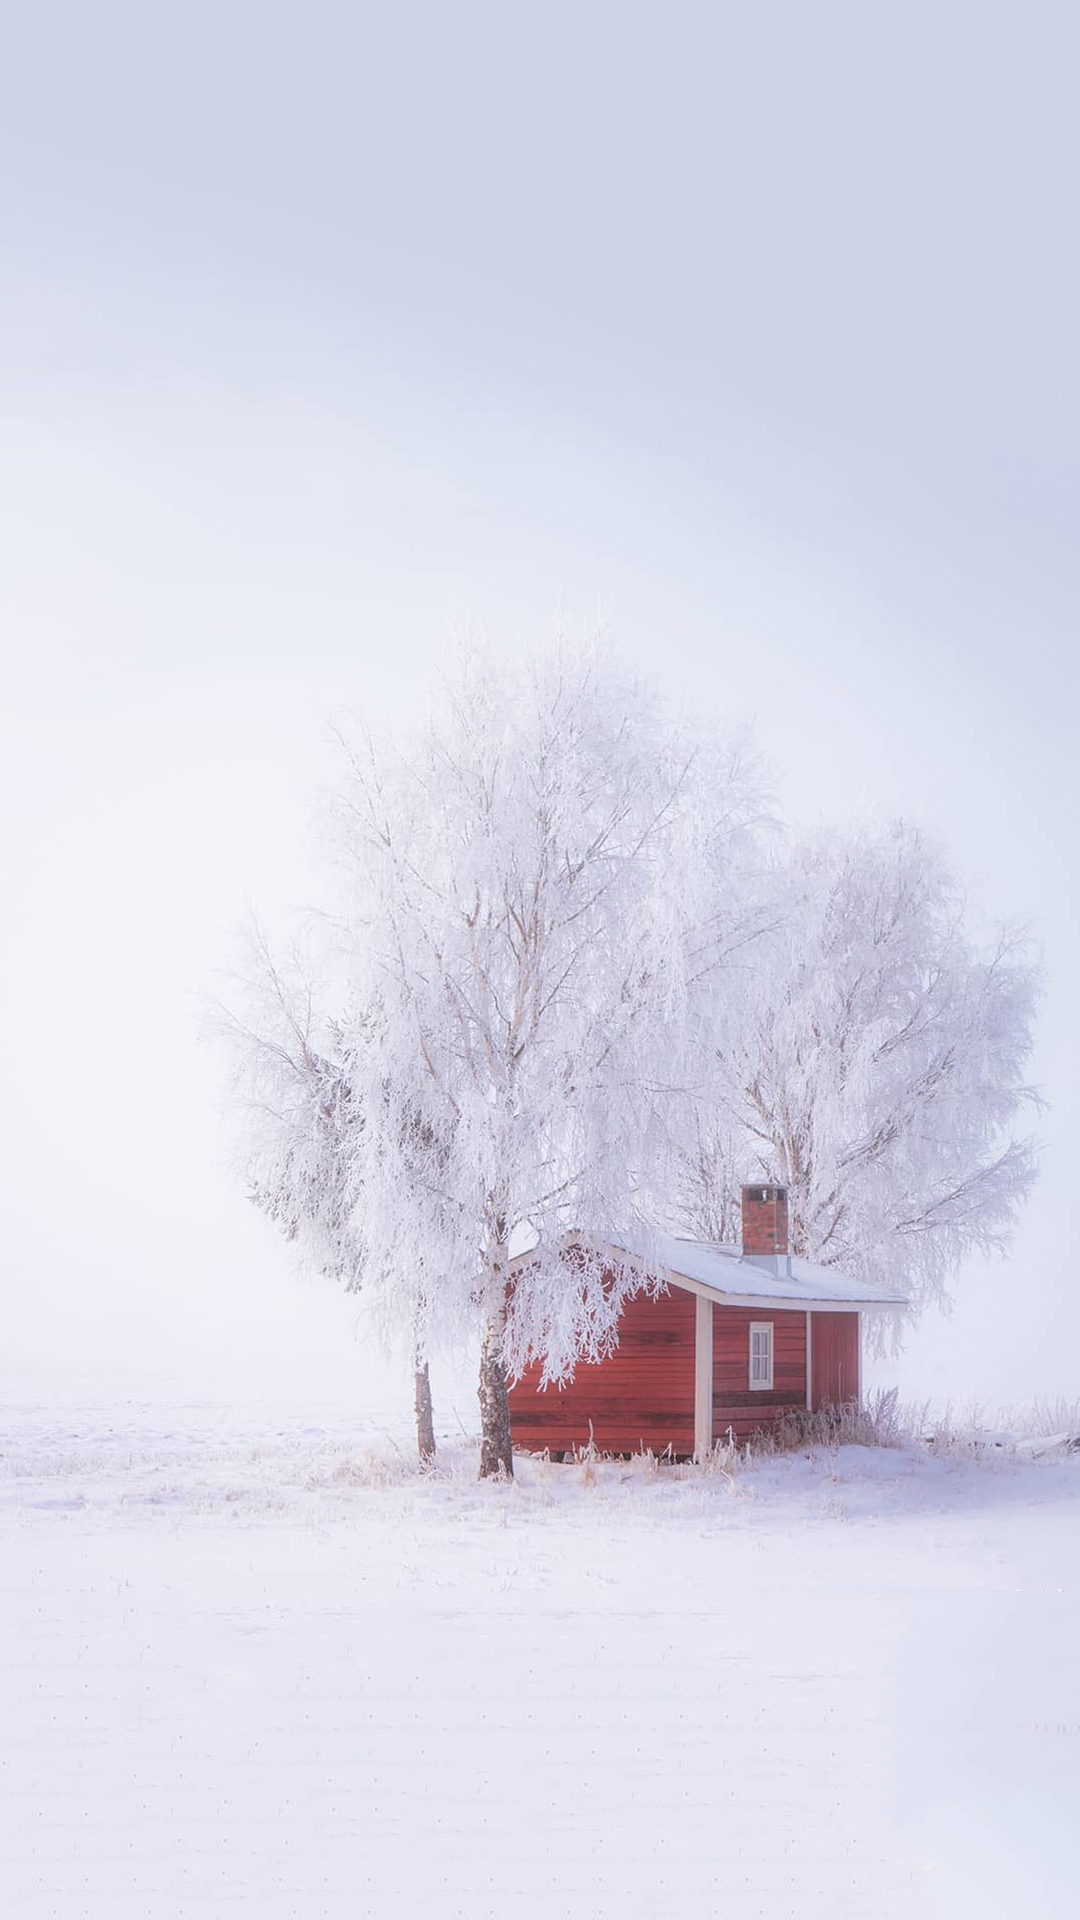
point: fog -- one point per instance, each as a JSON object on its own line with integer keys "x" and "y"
{"x": 328, "y": 337}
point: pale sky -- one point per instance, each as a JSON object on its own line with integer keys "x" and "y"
{"x": 327, "y": 334}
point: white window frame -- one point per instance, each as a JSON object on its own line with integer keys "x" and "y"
{"x": 765, "y": 1327}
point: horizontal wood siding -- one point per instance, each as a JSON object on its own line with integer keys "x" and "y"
{"x": 834, "y": 1358}
{"x": 642, "y": 1395}
{"x": 735, "y": 1406}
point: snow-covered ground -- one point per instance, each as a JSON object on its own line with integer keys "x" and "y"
{"x": 252, "y": 1664}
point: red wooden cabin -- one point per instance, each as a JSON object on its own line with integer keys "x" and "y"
{"x": 739, "y": 1336}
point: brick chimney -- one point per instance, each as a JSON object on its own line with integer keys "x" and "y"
{"x": 764, "y": 1223}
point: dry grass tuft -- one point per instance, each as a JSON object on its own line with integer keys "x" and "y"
{"x": 879, "y": 1422}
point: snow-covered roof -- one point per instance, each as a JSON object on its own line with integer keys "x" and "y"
{"x": 741, "y": 1278}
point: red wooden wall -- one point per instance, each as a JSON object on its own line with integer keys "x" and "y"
{"x": 834, "y": 1358}
{"x": 735, "y": 1406}
{"x": 641, "y": 1396}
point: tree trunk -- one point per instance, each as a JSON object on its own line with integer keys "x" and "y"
{"x": 425, "y": 1419}
{"x": 496, "y": 1453}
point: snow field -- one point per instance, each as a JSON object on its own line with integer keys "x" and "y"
{"x": 253, "y": 1668}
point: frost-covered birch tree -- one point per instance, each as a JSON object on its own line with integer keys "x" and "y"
{"x": 523, "y": 878}
{"x": 875, "y": 1067}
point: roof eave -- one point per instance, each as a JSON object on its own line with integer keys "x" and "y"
{"x": 784, "y": 1302}
{"x": 720, "y": 1297}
